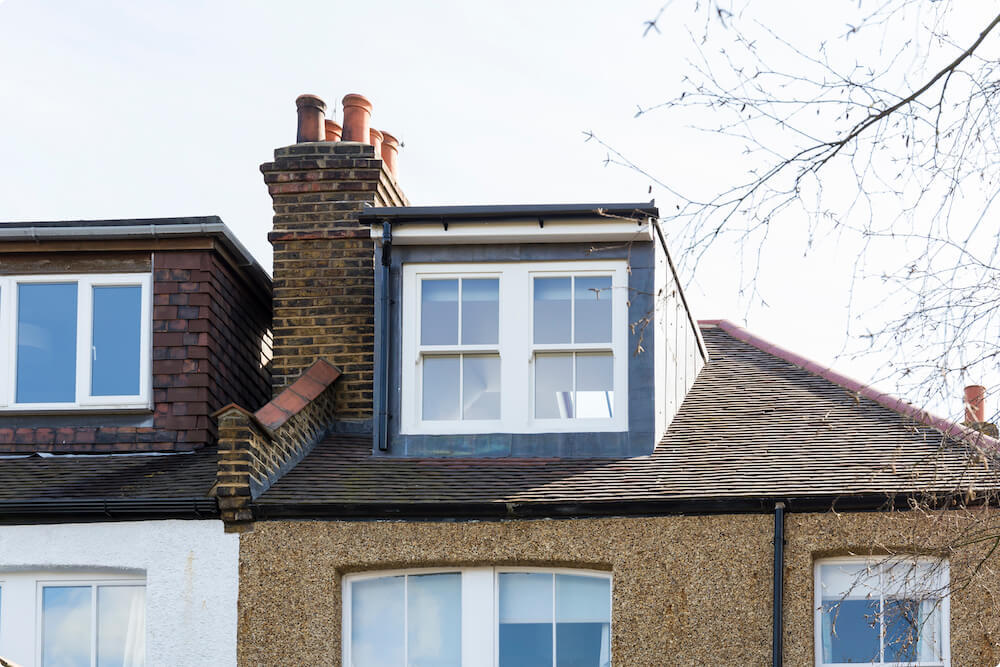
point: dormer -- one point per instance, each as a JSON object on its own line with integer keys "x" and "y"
{"x": 484, "y": 331}
{"x": 537, "y": 330}
{"x": 125, "y": 335}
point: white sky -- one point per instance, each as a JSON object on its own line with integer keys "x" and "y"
{"x": 123, "y": 109}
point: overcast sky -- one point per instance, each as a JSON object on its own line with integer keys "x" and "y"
{"x": 124, "y": 109}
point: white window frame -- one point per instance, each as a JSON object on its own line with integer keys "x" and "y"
{"x": 480, "y": 600}
{"x": 85, "y": 282}
{"x": 21, "y": 606}
{"x": 942, "y": 582}
{"x": 515, "y": 345}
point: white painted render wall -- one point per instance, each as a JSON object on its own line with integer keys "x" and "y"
{"x": 192, "y": 580}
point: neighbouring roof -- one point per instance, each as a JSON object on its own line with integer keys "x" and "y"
{"x": 109, "y": 485}
{"x": 755, "y": 427}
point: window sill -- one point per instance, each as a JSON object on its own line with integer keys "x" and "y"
{"x": 539, "y": 428}
{"x": 118, "y": 408}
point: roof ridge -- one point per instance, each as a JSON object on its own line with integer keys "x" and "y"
{"x": 888, "y": 401}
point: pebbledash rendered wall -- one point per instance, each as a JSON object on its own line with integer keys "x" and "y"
{"x": 190, "y": 569}
{"x": 687, "y": 590}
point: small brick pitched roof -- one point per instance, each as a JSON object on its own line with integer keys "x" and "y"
{"x": 755, "y": 425}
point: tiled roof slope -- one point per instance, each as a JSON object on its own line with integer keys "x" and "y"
{"x": 754, "y": 425}
{"x": 108, "y": 477}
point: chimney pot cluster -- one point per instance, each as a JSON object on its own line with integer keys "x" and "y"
{"x": 314, "y": 126}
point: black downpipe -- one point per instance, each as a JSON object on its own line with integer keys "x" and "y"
{"x": 779, "y": 582}
{"x": 385, "y": 311}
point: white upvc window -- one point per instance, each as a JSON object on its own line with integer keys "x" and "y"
{"x": 477, "y": 617}
{"x": 519, "y": 347}
{"x": 50, "y": 619}
{"x": 75, "y": 342}
{"x": 891, "y": 612}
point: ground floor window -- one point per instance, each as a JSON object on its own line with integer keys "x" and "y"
{"x": 73, "y": 619}
{"x": 882, "y": 611}
{"x": 478, "y": 617}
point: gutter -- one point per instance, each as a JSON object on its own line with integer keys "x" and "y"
{"x": 104, "y": 509}
{"x": 499, "y": 510}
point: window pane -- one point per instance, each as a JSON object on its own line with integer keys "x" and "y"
{"x": 583, "y": 599}
{"x": 46, "y": 343}
{"x": 121, "y": 626}
{"x": 377, "y": 622}
{"x": 481, "y": 387}
{"x": 525, "y": 645}
{"x": 116, "y": 353}
{"x": 856, "y": 581}
{"x": 583, "y": 644}
{"x": 850, "y": 630}
{"x": 552, "y": 310}
{"x": 439, "y": 312}
{"x": 902, "y": 630}
{"x": 525, "y": 619}
{"x": 440, "y": 391}
{"x": 434, "y": 620}
{"x": 554, "y": 386}
{"x": 594, "y": 386}
{"x": 480, "y": 311}
{"x": 592, "y": 309}
{"x": 583, "y": 621}
{"x": 525, "y": 597}
{"x": 66, "y": 629}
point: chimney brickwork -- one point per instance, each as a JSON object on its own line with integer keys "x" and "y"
{"x": 324, "y": 275}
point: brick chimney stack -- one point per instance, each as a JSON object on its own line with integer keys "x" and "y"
{"x": 975, "y": 410}
{"x": 324, "y": 277}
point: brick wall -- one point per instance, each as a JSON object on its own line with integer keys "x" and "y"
{"x": 208, "y": 324}
{"x": 255, "y": 449}
{"x": 324, "y": 279}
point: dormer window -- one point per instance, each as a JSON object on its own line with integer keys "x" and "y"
{"x": 75, "y": 341}
{"x": 519, "y": 347}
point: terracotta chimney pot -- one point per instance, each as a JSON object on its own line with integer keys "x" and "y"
{"x": 357, "y": 118}
{"x": 975, "y": 404}
{"x": 333, "y": 130}
{"x": 312, "y": 112}
{"x": 390, "y": 153}
{"x": 376, "y": 140}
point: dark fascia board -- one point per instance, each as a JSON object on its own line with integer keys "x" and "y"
{"x": 52, "y": 510}
{"x": 138, "y": 228}
{"x": 530, "y": 211}
{"x": 577, "y": 510}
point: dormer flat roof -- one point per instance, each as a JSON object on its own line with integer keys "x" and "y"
{"x": 509, "y": 211}
{"x": 208, "y": 226}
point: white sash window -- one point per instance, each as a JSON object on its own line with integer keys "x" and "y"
{"x": 515, "y": 347}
